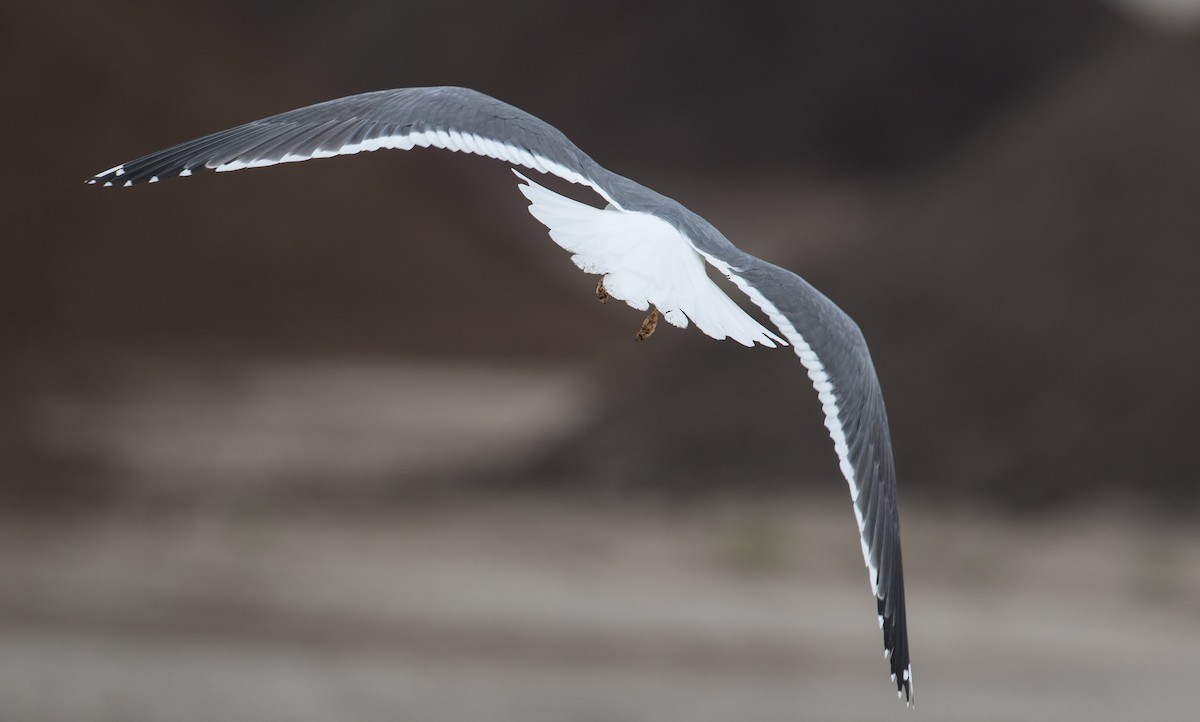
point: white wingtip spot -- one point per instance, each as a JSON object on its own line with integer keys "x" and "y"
{"x": 127, "y": 184}
{"x": 185, "y": 172}
{"x": 153, "y": 179}
{"x": 115, "y": 170}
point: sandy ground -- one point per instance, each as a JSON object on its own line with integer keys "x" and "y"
{"x": 506, "y": 611}
{"x": 206, "y": 430}
{"x": 221, "y": 604}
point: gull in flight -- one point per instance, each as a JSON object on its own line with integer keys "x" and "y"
{"x": 649, "y": 251}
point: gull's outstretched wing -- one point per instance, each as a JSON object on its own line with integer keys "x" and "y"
{"x": 456, "y": 119}
{"x": 833, "y": 350}
{"x": 651, "y": 250}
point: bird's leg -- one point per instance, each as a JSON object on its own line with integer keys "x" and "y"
{"x": 648, "y": 325}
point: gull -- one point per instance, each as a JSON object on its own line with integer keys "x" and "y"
{"x": 649, "y": 251}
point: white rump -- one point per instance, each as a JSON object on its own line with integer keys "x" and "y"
{"x": 644, "y": 260}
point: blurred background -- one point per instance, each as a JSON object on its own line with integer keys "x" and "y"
{"x": 354, "y": 440}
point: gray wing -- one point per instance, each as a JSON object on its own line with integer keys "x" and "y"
{"x": 457, "y": 119}
{"x": 832, "y": 348}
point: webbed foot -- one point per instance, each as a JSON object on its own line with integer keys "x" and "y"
{"x": 648, "y": 325}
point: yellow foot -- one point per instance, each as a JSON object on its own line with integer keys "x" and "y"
{"x": 648, "y": 325}
{"x": 601, "y": 291}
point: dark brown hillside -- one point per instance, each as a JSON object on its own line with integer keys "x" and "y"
{"x": 372, "y": 254}
{"x": 1031, "y": 308}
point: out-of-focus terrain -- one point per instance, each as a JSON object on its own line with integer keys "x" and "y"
{"x": 354, "y": 440}
{"x": 534, "y": 612}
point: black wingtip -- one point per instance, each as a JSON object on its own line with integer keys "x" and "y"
{"x": 136, "y": 173}
{"x": 903, "y": 678}
{"x": 895, "y": 649}
{"x": 904, "y": 686}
